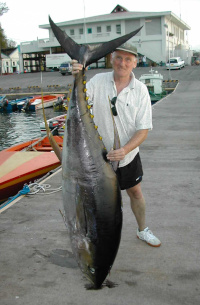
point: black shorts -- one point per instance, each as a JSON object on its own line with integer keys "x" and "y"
{"x": 131, "y": 174}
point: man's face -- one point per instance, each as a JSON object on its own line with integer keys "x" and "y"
{"x": 123, "y": 63}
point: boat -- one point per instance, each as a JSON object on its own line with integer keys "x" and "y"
{"x": 62, "y": 102}
{"x": 25, "y": 103}
{"x": 154, "y": 83}
{"x": 2, "y": 97}
{"x": 56, "y": 125}
{"x": 58, "y": 105}
{"x": 35, "y": 103}
{"x": 10, "y": 106}
{"x": 24, "y": 163}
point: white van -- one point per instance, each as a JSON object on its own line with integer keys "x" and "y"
{"x": 175, "y": 63}
{"x": 65, "y": 68}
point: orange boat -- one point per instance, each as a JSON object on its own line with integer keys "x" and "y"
{"x": 26, "y": 162}
{"x": 35, "y": 103}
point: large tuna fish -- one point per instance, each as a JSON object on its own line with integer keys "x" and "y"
{"x": 91, "y": 195}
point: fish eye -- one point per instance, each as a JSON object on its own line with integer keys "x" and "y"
{"x": 92, "y": 270}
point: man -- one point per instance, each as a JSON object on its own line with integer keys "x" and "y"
{"x": 144, "y": 59}
{"x": 131, "y": 107}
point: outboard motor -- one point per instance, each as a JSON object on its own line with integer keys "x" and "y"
{"x": 26, "y": 105}
{"x": 4, "y": 104}
{"x": 53, "y": 126}
{"x": 59, "y": 103}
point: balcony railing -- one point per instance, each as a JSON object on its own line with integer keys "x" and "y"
{"x": 100, "y": 35}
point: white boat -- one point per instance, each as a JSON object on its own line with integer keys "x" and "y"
{"x": 47, "y": 99}
{"x": 153, "y": 81}
{"x": 35, "y": 103}
{"x": 56, "y": 124}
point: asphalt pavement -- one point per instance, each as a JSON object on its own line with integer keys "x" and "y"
{"x": 53, "y": 79}
{"x": 36, "y": 262}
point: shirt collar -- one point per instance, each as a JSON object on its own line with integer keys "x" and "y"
{"x": 131, "y": 84}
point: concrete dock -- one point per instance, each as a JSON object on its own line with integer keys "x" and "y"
{"x": 36, "y": 262}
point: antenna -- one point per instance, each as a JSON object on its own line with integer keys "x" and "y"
{"x": 84, "y": 22}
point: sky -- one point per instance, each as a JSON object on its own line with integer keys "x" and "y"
{"x": 21, "y": 22}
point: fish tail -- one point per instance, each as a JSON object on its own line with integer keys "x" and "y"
{"x": 88, "y": 54}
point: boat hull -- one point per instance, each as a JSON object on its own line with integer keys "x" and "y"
{"x": 13, "y": 105}
{"x": 35, "y": 102}
{"x": 58, "y": 121}
{"x": 18, "y": 166}
{"x": 13, "y": 182}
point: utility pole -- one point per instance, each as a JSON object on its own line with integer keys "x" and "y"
{"x": 166, "y": 26}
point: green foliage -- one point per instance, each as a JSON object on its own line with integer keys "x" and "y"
{"x": 4, "y": 42}
{"x": 3, "y": 39}
{"x": 196, "y": 53}
{"x": 3, "y": 8}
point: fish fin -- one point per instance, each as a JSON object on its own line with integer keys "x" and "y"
{"x": 87, "y": 54}
{"x": 68, "y": 44}
{"x": 97, "y": 52}
{"x": 52, "y": 141}
{"x": 116, "y": 144}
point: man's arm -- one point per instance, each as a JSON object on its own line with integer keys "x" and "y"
{"x": 135, "y": 141}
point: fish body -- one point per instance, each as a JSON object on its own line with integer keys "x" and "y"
{"x": 91, "y": 194}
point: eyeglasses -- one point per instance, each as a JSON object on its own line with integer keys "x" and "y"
{"x": 113, "y": 108}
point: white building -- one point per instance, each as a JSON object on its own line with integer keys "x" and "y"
{"x": 10, "y": 61}
{"x": 163, "y": 34}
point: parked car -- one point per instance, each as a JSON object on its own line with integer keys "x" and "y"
{"x": 175, "y": 63}
{"x": 65, "y": 68}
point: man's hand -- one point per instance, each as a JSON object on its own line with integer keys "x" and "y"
{"x": 116, "y": 155}
{"x": 76, "y": 67}
{"x": 135, "y": 141}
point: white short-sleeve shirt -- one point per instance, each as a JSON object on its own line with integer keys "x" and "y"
{"x": 133, "y": 108}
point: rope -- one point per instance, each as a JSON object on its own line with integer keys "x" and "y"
{"x": 24, "y": 191}
{"x": 32, "y": 189}
{"x": 36, "y": 188}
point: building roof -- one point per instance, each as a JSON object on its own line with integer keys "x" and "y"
{"x": 8, "y": 51}
{"x": 118, "y": 8}
{"x": 3, "y": 56}
{"x": 121, "y": 15}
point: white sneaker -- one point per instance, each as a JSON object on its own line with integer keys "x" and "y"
{"x": 148, "y": 236}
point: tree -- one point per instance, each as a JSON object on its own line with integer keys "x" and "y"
{"x": 3, "y": 40}
{"x": 11, "y": 43}
{"x": 3, "y": 8}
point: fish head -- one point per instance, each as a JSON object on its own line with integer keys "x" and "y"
{"x": 95, "y": 270}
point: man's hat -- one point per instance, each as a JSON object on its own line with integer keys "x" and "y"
{"x": 127, "y": 47}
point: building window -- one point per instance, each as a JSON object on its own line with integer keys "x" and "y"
{"x": 118, "y": 28}
{"x": 99, "y": 29}
{"x": 181, "y": 35}
{"x": 153, "y": 26}
{"x": 81, "y": 31}
{"x": 72, "y": 32}
{"x": 7, "y": 64}
{"x": 14, "y": 63}
{"x": 108, "y": 28}
{"x": 89, "y": 30}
